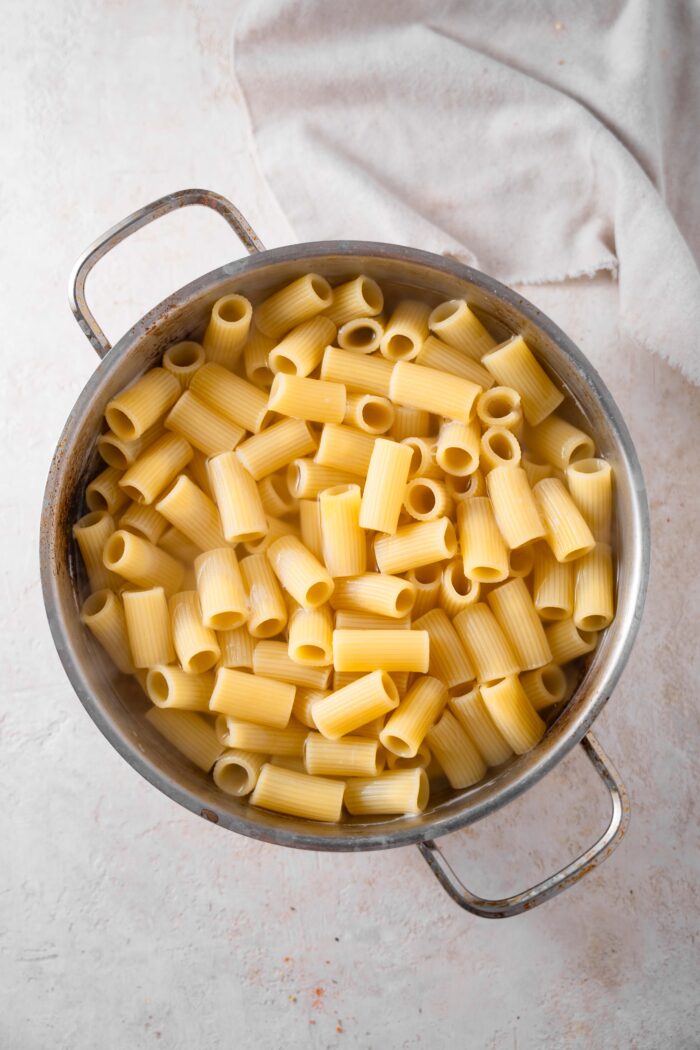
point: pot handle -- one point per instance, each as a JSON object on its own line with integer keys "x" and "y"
{"x": 182, "y": 199}
{"x": 572, "y": 873}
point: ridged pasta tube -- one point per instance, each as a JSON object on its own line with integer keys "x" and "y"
{"x": 514, "y": 715}
{"x": 513, "y": 364}
{"x": 456, "y": 752}
{"x": 227, "y": 329}
{"x": 397, "y": 791}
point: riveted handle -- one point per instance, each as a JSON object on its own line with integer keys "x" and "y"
{"x": 182, "y": 199}
{"x": 568, "y": 876}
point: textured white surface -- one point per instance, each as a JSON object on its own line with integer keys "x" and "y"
{"x": 126, "y": 922}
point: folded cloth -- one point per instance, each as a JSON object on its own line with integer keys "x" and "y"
{"x": 535, "y": 142}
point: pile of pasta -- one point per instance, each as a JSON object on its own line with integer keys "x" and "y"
{"x": 347, "y": 548}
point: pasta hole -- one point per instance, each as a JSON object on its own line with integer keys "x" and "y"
{"x": 593, "y": 622}
{"x": 587, "y": 637}
{"x": 202, "y": 661}
{"x": 318, "y": 593}
{"x": 158, "y": 687}
{"x": 450, "y": 538}
{"x": 233, "y": 309}
{"x": 322, "y": 289}
{"x": 262, "y": 376}
{"x": 462, "y": 586}
{"x": 553, "y": 612}
{"x": 310, "y": 653}
{"x": 404, "y": 601}
{"x": 581, "y": 450}
{"x": 590, "y": 466}
{"x": 423, "y": 791}
{"x": 397, "y": 746}
{"x": 113, "y": 455}
{"x": 227, "y": 621}
{"x": 486, "y": 574}
{"x": 233, "y": 779}
{"x": 554, "y": 681}
{"x": 399, "y": 347}
{"x": 133, "y": 493}
{"x": 578, "y": 552}
{"x": 456, "y": 460}
{"x": 114, "y": 549}
{"x": 185, "y": 355}
{"x": 427, "y": 574}
{"x": 120, "y": 423}
{"x": 417, "y": 456}
{"x": 285, "y": 365}
{"x": 521, "y": 561}
{"x": 422, "y": 499}
{"x": 96, "y": 603}
{"x": 372, "y": 295}
{"x": 93, "y": 518}
{"x": 445, "y": 311}
{"x": 389, "y": 686}
{"x": 279, "y": 486}
{"x": 501, "y": 446}
{"x": 267, "y": 628}
{"x": 361, "y": 336}
{"x": 376, "y": 415}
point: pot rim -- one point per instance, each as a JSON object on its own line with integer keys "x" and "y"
{"x": 356, "y": 837}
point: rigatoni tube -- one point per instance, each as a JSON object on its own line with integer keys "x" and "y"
{"x": 267, "y": 607}
{"x": 390, "y": 650}
{"x": 593, "y": 595}
{"x": 301, "y": 350}
{"x": 414, "y": 545}
{"x": 560, "y": 443}
{"x": 367, "y": 375}
{"x": 514, "y": 506}
{"x": 142, "y": 404}
{"x": 227, "y": 329}
{"x": 139, "y": 562}
{"x": 590, "y": 485}
{"x": 156, "y": 468}
{"x": 433, "y": 391}
{"x": 351, "y": 756}
{"x": 311, "y": 636}
{"x": 240, "y": 507}
{"x": 236, "y": 772}
{"x": 513, "y": 714}
{"x": 196, "y": 645}
{"x": 148, "y": 627}
{"x": 407, "y": 726}
{"x": 513, "y": 608}
{"x": 484, "y": 554}
{"x": 397, "y": 791}
{"x": 252, "y": 698}
{"x": 375, "y": 593}
{"x": 293, "y": 304}
{"x": 472, "y": 714}
{"x": 299, "y": 572}
{"x": 91, "y": 533}
{"x": 103, "y": 615}
{"x": 275, "y": 447}
{"x": 298, "y": 794}
{"x": 221, "y": 589}
{"x": 345, "y": 449}
{"x": 360, "y": 297}
{"x": 513, "y": 364}
{"x": 313, "y": 399}
{"x": 488, "y": 648}
{"x": 174, "y": 688}
{"x": 459, "y": 327}
{"x": 553, "y": 585}
{"x": 196, "y": 516}
{"x": 355, "y": 704}
{"x": 231, "y": 396}
{"x": 189, "y": 733}
{"x": 343, "y": 540}
{"x": 456, "y": 752}
{"x": 566, "y": 531}
{"x": 449, "y": 660}
{"x": 405, "y": 331}
{"x": 201, "y": 425}
{"x": 385, "y": 486}
{"x": 272, "y": 660}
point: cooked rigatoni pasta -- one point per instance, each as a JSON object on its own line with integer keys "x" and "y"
{"x": 358, "y": 633}
{"x": 227, "y": 330}
{"x": 342, "y": 539}
{"x": 314, "y": 399}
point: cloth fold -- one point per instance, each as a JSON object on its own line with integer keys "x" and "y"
{"x": 536, "y": 142}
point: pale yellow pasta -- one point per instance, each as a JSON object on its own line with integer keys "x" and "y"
{"x": 371, "y": 730}
{"x": 560, "y": 443}
{"x": 465, "y": 487}
{"x": 237, "y": 498}
{"x": 252, "y": 698}
{"x": 385, "y": 486}
{"x": 276, "y": 446}
{"x": 405, "y": 331}
{"x": 292, "y": 305}
{"x": 306, "y": 478}
{"x": 406, "y": 727}
{"x": 438, "y": 354}
{"x": 498, "y": 448}
{"x": 227, "y": 329}
{"x": 517, "y": 617}
{"x": 426, "y": 499}
{"x": 500, "y": 406}
{"x": 370, "y": 413}
{"x": 197, "y": 472}
{"x": 301, "y": 350}
{"x": 521, "y": 560}
{"x": 221, "y": 590}
{"x": 255, "y": 359}
{"x": 304, "y": 702}
{"x": 231, "y": 396}
{"x": 148, "y": 627}
{"x": 288, "y": 762}
{"x": 298, "y": 794}
{"x": 342, "y": 678}
{"x": 310, "y": 522}
{"x": 513, "y": 364}
{"x": 421, "y": 760}
{"x": 203, "y": 427}
{"x": 513, "y": 714}
{"x": 265, "y": 740}
{"x": 273, "y": 660}
{"x": 195, "y": 645}
{"x": 414, "y": 545}
{"x": 301, "y": 575}
{"x": 121, "y": 454}
{"x": 374, "y": 592}
{"x": 276, "y": 527}
{"x": 544, "y": 686}
{"x": 484, "y": 554}
{"x": 311, "y": 636}
{"x": 426, "y": 581}
{"x": 176, "y": 543}
{"x": 156, "y": 468}
{"x": 456, "y": 752}
{"x": 514, "y": 506}
{"x": 567, "y": 641}
{"x": 345, "y": 448}
{"x": 91, "y": 533}
{"x": 175, "y": 688}
{"x": 142, "y": 564}
{"x": 103, "y": 615}
{"x": 566, "y": 531}
{"x": 267, "y": 609}
{"x": 397, "y": 791}
{"x": 366, "y": 375}
{"x": 360, "y": 297}
{"x": 590, "y": 486}
{"x": 593, "y": 592}
{"x": 186, "y": 507}
{"x": 343, "y": 541}
{"x": 391, "y": 650}
{"x": 553, "y": 585}
{"x": 433, "y": 391}
{"x": 189, "y": 733}
{"x": 449, "y": 660}
{"x": 457, "y": 590}
{"x": 535, "y": 471}
{"x": 422, "y": 457}
{"x": 457, "y": 450}
{"x": 236, "y": 772}
{"x": 276, "y": 499}
{"x": 361, "y": 335}
{"x": 142, "y": 404}
{"x": 236, "y": 648}
{"x": 352, "y": 620}
{"x": 314, "y": 399}
{"x": 183, "y": 360}
{"x": 144, "y": 520}
{"x": 489, "y": 650}
{"x": 355, "y": 704}
{"x": 458, "y": 326}
{"x": 472, "y": 714}
{"x": 104, "y": 492}
{"x": 410, "y": 423}
{"x": 351, "y": 756}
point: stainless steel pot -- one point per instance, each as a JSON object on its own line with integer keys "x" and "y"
{"x": 115, "y": 703}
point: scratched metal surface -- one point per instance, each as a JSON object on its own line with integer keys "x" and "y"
{"x": 128, "y": 921}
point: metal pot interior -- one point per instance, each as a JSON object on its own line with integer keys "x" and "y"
{"x": 116, "y": 702}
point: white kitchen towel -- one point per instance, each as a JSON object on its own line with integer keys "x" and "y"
{"x": 535, "y": 140}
